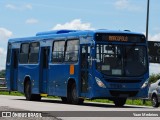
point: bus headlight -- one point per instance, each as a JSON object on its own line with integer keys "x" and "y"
{"x": 100, "y": 83}
{"x": 144, "y": 84}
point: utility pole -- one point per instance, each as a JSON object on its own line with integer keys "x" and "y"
{"x": 147, "y": 20}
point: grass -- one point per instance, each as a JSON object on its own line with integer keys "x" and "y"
{"x": 11, "y": 93}
{"x": 128, "y": 102}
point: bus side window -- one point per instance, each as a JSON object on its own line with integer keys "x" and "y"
{"x": 71, "y": 54}
{"x": 24, "y": 50}
{"x": 58, "y": 51}
{"x": 34, "y": 53}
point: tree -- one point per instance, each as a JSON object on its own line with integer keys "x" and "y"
{"x": 154, "y": 77}
{"x": 2, "y": 73}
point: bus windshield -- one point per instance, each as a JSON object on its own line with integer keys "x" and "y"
{"x": 121, "y": 60}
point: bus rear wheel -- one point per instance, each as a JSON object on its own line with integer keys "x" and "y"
{"x": 119, "y": 102}
{"x": 29, "y": 96}
{"x": 64, "y": 99}
{"x": 73, "y": 97}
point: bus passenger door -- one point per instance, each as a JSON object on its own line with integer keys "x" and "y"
{"x": 12, "y": 69}
{"x": 44, "y": 69}
{"x": 84, "y": 68}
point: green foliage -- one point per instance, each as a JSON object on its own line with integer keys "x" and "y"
{"x": 2, "y": 73}
{"x": 11, "y": 93}
{"x": 138, "y": 102}
{"x": 153, "y": 78}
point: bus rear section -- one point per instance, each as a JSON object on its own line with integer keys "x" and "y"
{"x": 12, "y": 68}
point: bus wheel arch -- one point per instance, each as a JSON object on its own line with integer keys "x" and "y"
{"x": 72, "y": 96}
{"x": 28, "y": 91}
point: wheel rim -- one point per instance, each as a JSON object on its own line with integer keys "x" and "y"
{"x": 28, "y": 91}
{"x": 154, "y": 101}
{"x": 74, "y": 94}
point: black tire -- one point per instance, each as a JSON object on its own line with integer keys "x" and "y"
{"x": 119, "y": 102}
{"x": 155, "y": 101}
{"x": 28, "y": 93}
{"x": 64, "y": 99}
{"x": 36, "y": 97}
{"x": 74, "y": 97}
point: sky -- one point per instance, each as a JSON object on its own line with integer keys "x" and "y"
{"x": 21, "y": 18}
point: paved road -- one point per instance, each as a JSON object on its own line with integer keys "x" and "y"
{"x": 19, "y": 103}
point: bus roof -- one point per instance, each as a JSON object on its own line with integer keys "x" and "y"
{"x": 66, "y": 33}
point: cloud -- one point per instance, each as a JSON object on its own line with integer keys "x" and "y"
{"x": 31, "y": 21}
{"x": 75, "y": 24}
{"x": 28, "y": 6}
{"x": 5, "y": 34}
{"x": 3, "y": 58}
{"x": 121, "y": 4}
{"x": 155, "y": 37}
{"x": 19, "y": 7}
{"x": 125, "y": 4}
{"x": 10, "y": 6}
{"x": 153, "y": 68}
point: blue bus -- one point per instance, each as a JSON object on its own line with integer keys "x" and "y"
{"x": 79, "y": 64}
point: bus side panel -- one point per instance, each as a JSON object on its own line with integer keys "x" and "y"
{"x": 58, "y": 79}
{"x": 31, "y": 71}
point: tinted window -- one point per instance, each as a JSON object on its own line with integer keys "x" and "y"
{"x": 34, "y": 52}
{"x": 9, "y": 54}
{"x": 121, "y": 60}
{"x": 58, "y": 51}
{"x": 25, "y": 48}
{"x": 24, "y": 53}
{"x": 71, "y": 54}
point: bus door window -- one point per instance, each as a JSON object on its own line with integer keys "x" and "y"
{"x": 85, "y": 55}
{"x": 45, "y": 57}
{"x": 9, "y": 54}
{"x": 15, "y": 56}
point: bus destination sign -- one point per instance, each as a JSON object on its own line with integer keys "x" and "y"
{"x": 120, "y": 38}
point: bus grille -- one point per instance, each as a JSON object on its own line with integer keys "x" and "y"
{"x": 123, "y": 81}
{"x": 123, "y": 93}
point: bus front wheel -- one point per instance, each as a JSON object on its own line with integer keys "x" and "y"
{"x": 119, "y": 102}
{"x": 74, "y": 99}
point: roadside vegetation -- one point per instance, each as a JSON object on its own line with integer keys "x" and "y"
{"x": 2, "y": 73}
{"x": 153, "y": 78}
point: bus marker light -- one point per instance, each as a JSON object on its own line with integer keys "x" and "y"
{"x": 71, "y": 69}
